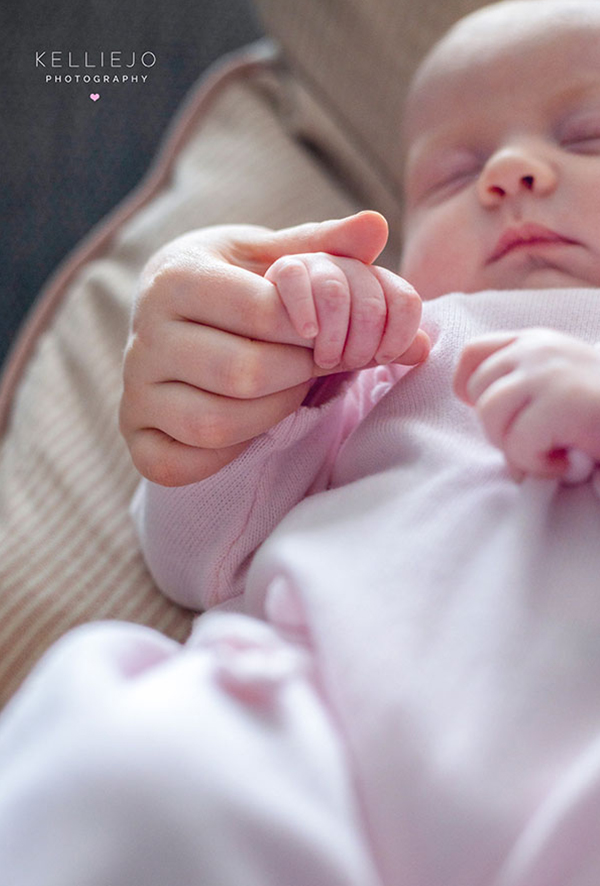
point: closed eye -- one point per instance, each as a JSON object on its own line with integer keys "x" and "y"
{"x": 590, "y": 144}
{"x": 443, "y": 182}
{"x": 582, "y": 136}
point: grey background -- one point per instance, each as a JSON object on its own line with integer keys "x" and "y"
{"x": 67, "y": 161}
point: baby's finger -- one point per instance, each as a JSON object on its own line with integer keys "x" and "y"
{"x": 492, "y": 369}
{"x": 500, "y": 405}
{"x": 331, "y": 293}
{"x": 368, "y": 316}
{"x": 417, "y": 351}
{"x": 403, "y": 317}
{"x": 291, "y": 278}
{"x": 473, "y": 355}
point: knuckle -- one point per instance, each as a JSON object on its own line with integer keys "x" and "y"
{"x": 132, "y": 407}
{"x": 543, "y": 341}
{"x": 289, "y": 269}
{"x": 541, "y": 334}
{"x": 165, "y": 287}
{"x": 395, "y": 288}
{"x": 134, "y": 360}
{"x": 566, "y": 389}
{"x": 156, "y": 282}
{"x": 404, "y": 298}
{"x": 411, "y": 304}
{"x": 333, "y": 294}
{"x": 146, "y": 321}
{"x": 370, "y": 311}
{"x": 260, "y": 314}
{"x": 245, "y": 373}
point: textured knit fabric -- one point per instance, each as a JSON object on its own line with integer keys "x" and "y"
{"x": 453, "y": 613}
{"x": 199, "y": 555}
{"x": 127, "y": 760}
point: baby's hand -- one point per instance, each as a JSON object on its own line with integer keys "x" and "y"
{"x": 212, "y": 360}
{"x": 537, "y": 393}
{"x": 354, "y": 313}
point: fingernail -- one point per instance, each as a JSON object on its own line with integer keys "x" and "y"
{"x": 327, "y": 364}
{"x": 309, "y": 330}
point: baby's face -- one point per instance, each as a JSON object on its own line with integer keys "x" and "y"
{"x": 503, "y": 152}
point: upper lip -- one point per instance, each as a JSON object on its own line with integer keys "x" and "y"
{"x": 529, "y": 233}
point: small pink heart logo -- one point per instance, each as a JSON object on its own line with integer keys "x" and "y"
{"x": 94, "y": 96}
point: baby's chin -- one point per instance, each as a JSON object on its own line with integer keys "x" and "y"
{"x": 548, "y": 278}
{"x": 540, "y": 278}
{"x": 533, "y": 278}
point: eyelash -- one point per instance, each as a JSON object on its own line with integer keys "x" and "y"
{"x": 584, "y": 138}
{"x": 583, "y": 145}
{"x": 451, "y": 183}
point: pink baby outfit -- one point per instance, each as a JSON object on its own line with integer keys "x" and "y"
{"x": 415, "y": 668}
{"x": 454, "y": 615}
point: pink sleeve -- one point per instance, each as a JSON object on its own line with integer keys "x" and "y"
{"x": 198, "y": 540}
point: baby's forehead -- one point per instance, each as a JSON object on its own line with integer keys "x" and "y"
{"x": 501, "y": 47}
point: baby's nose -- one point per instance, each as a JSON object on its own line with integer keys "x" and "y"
{"x": 512, "y": 172}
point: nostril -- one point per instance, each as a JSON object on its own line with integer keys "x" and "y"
{"x": 496, "y": 190}
{"x": 527, "y": 181}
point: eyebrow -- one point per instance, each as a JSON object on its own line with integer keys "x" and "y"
{"x": 575, "y": 92}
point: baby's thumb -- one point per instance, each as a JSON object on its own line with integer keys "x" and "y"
{"x": 361, "y": 236}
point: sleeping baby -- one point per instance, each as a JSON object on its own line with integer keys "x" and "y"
{"x": 501, "y": 180}
{"x": 389, "y": 508}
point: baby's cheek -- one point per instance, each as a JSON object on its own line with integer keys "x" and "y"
{"x": 442, "y": 249}
{"x": 431, "y": 267}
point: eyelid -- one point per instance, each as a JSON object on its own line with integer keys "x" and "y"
{"x": 581, "y": 128}
{"x": 445, "y": 174}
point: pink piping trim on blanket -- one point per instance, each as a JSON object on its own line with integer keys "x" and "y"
{"x": 244, "y": 62}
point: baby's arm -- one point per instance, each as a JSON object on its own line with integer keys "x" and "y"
{"x": 537, "y": 393}
{"x": 198, "y": 540}
{"x": 214, "y": 365}
{"x": 212, "y": 359}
